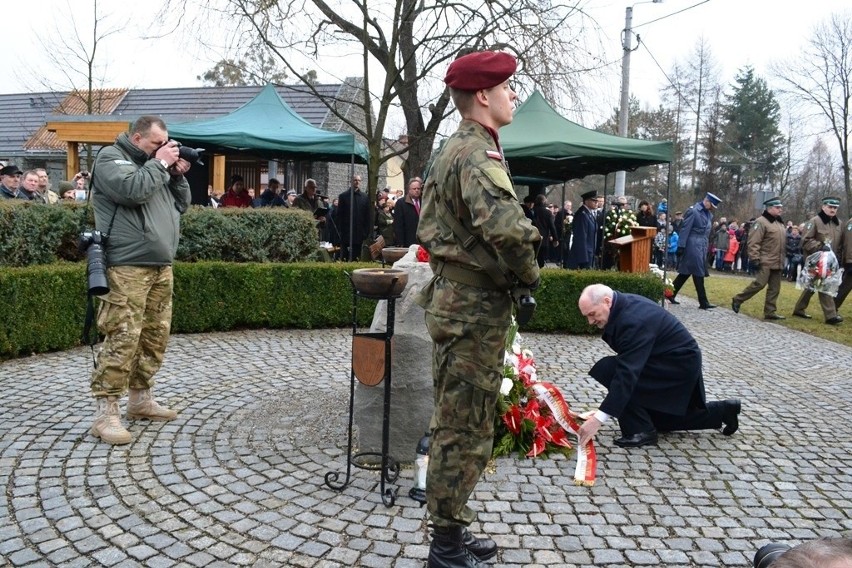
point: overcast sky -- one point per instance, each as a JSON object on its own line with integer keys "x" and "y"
{"x": 739, "y": 33}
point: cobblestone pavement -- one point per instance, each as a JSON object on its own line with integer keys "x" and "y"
{"x": 237, "y": 479}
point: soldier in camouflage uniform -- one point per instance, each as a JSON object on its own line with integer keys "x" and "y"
{"x": 824, "y": 229}
{"x": 138, "y": 194}
{"x": 468, "y": 307}
{"x": 845, "y": 259}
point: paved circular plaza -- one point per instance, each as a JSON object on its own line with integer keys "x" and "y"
{"x": 238, "y": 478}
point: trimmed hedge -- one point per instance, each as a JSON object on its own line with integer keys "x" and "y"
{"x": 43, "y": 307}
{"x": 35, "y": 233}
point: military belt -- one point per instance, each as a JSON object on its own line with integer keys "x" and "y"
{"x": 463, "y": 275}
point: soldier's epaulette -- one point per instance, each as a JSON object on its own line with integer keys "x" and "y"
{"x": 494, "y": 155}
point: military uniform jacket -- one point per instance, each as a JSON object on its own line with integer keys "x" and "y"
{"x": 147, "y": 201}
{"x": 470, "y": 176}
{"x": 846, "y": 257}
{"x": 693, "y": 238}
{"x": 820, "y": 230}
{"x": 658, "y": 361}
{"x": 767, "y": 242}
{"x": 584, "y": 231}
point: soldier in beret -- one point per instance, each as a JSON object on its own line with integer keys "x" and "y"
{"x": 767, "y": 244}
{"x": 822, "y": 230}
{"x": 468, "y": 302}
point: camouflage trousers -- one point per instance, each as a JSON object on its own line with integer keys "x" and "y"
{"x": 135, "y": 318}
{"x": 467, "y": 363}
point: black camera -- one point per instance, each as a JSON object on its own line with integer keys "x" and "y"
{"x": 92, "y": 243}
{"x": 191, "y": 155}
{"x": 526, "y": 309}
{"x": 768, "y": 554}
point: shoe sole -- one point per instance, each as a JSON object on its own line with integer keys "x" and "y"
{"x": 121, "y": 442}
{"x": 148, "y": 417}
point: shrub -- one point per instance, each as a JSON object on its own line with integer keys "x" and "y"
{"x": 42, "y": 308}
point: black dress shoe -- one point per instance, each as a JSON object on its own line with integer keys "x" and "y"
{"x": 802, "y": 315}
{"x": 834, "y": 321}
{"x": 774, "y": 317}
{"x": 707, "y": 307}
{"x": 730, "y": 415}
{"x": 735, "y": 305}
{"x": 673, "y": 301}
{"x": 636, "y": 440}
{"x": 482, "y": 548}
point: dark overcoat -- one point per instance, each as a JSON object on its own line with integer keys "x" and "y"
{"x": 658, "y": 362}
{"x": 358, "y": 212}
{"x": 584, "y": 233}
{"x": 405, "y": 219}
{"x": 694, "y": 239}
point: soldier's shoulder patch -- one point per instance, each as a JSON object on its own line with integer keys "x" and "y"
{"x": 849, "y": 225}
{"x": 809, "y": 225}
{"x": 494, "y": 155}
{"x": 122, "y": 163}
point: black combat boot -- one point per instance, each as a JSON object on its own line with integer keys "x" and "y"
{"x": 482, "y": 548}
{"x": 448, "y": 550}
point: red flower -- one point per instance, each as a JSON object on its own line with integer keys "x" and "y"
{"x": 422, "y": 254}
{"x": 512, "y": 419}
{"x": 538, "y": 446}
{"x": 532, "y": 410}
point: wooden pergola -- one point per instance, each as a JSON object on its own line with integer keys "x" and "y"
{"x": 102, "y": 131}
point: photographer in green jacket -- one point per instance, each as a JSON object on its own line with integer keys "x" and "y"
{"x": 138, "y": 193}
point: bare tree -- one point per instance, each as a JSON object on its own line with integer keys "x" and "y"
{"x": 822, "y": 79}
{"x": 76, "y": 57}
{"x": 702, "y": 79}
{"x": 403, "y": 47}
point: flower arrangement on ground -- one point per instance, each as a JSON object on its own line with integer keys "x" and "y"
{"x": 821, "y": 273}
{"x": 533, "y": 419}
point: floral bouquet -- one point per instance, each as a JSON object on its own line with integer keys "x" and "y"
{"x": 618, "y": 222}
{"x": 533, "y": 418}
{"x": 821, "y": 273}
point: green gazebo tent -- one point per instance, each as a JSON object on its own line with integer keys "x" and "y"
{"x": 541, "y": 144}
{"x": 266, "y": 126}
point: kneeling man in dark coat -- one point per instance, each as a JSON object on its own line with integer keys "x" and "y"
{"x": 654, "y": 381}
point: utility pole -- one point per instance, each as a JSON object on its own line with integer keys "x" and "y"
{"x": 627, "y": 46}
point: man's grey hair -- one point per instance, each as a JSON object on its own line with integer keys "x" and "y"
{"x": 822, "y": 553}
{"x": 595, "y": 293}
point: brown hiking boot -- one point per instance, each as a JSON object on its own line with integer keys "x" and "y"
{"x": 141, "y": 404}
{"x": 107, "y": 425}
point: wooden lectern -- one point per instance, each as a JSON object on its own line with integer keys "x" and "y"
{"x": 634, "y": 250}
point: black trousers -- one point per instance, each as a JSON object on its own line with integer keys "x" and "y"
{"x": 635, "y": 418}
{"x": 681, "y": 279}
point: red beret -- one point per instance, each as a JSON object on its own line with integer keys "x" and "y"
{"x": 480, "y": 70}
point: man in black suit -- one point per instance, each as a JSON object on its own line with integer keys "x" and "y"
{"x": 654, "y": 381}
{"x": 584, "y": 233}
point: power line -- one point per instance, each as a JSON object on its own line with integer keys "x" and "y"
{"x": 672, "y": 14}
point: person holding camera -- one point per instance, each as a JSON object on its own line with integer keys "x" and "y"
{"x": 654, "y": 381}
{"x": 139, "y": 192}
{"x": 480, "y": 244}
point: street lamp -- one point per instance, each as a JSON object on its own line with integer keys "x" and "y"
{"x": 627, "y": 46}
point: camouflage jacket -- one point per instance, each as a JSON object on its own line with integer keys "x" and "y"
{"x": 469, "y": 174}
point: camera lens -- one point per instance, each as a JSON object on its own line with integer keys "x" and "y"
{"x": 768, "y": 554}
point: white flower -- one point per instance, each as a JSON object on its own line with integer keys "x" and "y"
{"x": 506, "y": 386}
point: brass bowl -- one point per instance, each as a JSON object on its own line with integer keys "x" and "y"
{"x": 392, "y": 254}
{"x": 379, "y": 282}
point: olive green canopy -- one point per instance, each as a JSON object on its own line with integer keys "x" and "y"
{"x": 542, "y": 144}
{"x": 266, "y": 126}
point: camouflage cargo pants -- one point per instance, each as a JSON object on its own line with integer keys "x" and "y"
{"x": 135, "y": 318}
{"x": 467, "y": 363}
